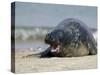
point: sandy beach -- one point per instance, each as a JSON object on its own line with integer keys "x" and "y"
{"x": 26, "y": 62}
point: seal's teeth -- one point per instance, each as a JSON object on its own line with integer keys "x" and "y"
{"x": 53, "y": 50}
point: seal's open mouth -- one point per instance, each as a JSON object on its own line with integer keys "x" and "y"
{"x": 55, "y": 47}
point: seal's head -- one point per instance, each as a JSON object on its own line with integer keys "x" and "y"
{"x": 54, "y": 39}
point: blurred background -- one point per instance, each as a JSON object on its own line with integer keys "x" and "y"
{"x": 34, "y": 20}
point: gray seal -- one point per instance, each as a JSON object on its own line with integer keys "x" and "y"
{"x": 71, "y": 38}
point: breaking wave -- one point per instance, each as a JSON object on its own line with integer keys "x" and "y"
{"x": 37, "y": 33}
{"x": 31, "y": 33}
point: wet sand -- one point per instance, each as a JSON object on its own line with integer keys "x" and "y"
{"x": 26, "y": 62}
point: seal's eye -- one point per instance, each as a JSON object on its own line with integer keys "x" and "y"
{"x": 52, "y": 38}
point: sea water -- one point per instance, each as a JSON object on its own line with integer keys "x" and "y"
{"x": 33, "y": 37}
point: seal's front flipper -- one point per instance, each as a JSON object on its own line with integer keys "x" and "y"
{"x": 46, "y": 53}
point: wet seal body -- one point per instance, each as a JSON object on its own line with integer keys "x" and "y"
{"x": 71, "y": 38}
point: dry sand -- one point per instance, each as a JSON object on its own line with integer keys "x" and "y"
{"x": 25, "y": 62}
